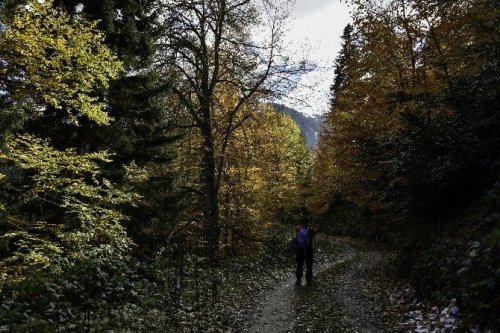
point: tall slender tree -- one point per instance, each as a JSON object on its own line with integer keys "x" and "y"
{"x": 209, "y": 43}
{"x": 341, "y": 79}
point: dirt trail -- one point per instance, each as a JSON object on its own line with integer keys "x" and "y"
{"x": 276, "y": 312}
{"x": 340, "y": 299}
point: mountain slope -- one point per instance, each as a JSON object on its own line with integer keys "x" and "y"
{"x": 309, "y": 126}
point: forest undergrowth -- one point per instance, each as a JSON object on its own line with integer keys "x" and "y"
{"x": 243, "y": 281}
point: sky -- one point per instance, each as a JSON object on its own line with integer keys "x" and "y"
{"x": 315, "y": 31}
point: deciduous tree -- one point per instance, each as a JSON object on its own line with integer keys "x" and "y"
{"x": 208, "y": 43}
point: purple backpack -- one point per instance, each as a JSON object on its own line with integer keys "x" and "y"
{"x": 301, "y": 241}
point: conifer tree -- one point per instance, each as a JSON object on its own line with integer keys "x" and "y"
{"x": 341, "y": 78}
{"x": 138, "y": 104}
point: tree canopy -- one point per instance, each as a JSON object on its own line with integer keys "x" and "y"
{"x": 149, "y": 177}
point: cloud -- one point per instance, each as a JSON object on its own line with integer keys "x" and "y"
{"x": 306, "y": 7}
{"x": 312, "y": 94}
{"x": 315, "y": 36}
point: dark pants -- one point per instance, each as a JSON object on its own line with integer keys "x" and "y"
{"x": 308, "y": 257}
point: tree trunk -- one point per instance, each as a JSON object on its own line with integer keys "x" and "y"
{"x": 210, "y": 200}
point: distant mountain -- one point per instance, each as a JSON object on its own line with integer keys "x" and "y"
{"x": 309, "y": 126}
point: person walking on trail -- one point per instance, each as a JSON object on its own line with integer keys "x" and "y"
{"x": 303, "y": 248}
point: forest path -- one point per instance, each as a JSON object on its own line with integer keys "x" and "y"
{"x": 351, "y": 292}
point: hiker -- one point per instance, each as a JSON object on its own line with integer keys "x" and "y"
{"x": 304, "y": 249}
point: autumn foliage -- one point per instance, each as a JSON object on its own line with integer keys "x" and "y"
{"x": 409, "y": 149}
